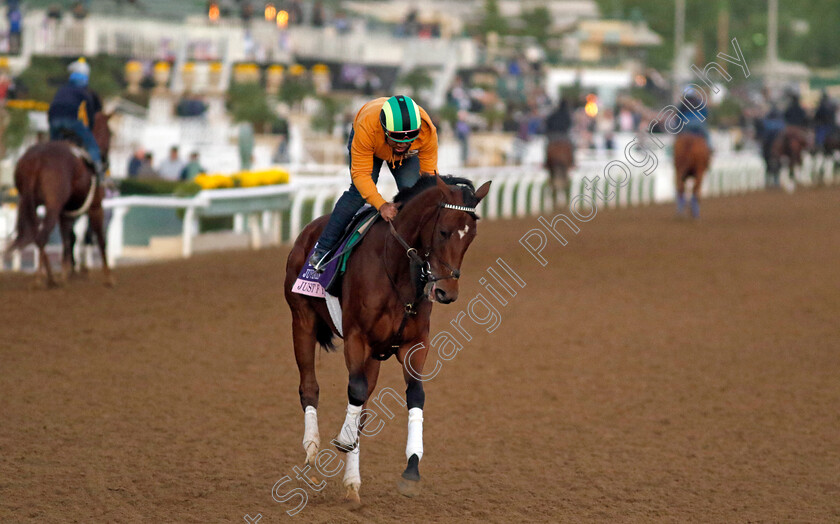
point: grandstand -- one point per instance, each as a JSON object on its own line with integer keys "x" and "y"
{"x": 160, "y": 9}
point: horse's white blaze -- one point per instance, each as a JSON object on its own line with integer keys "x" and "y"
{"x": 311, "y": 437}
{"x": 350, "y": 429}
{"x": 462, "y": 232}
{"x": 352, "y": 477}
{"x": 414, "y": 443}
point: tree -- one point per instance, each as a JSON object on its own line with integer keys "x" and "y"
{"x": 493, "y": 21}
{"x": 537, "y": 24}
{"x": 46, "y": 74}
{"x": 748, "y": 23}
{"x": 295, "y": 88}
{"x": 416, "y": 80}
{"x": 15, "y": 125}
{"x": 249, "y": 103}
{"x": 324, "y": 120}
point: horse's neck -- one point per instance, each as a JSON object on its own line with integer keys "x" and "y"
{"x": 100, "y": 134}
{"x": 409, "y": 224}
{"x": 414, "y": 216}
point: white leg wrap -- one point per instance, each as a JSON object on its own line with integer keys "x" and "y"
{"x": 349, "y": 433}
{"x": 352, "y": 477}
{"x": 311, "y": 437}
{"x": 414, "y": 443}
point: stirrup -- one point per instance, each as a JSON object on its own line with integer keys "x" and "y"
{"x": 318, "y": 258}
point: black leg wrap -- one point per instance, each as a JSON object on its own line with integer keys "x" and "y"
{"x": 357, "y": 389}
{"x": 412, "y": 469}
{"x": 414, "y": 395}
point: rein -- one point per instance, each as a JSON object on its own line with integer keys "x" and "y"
{"x": 421, "y": 272}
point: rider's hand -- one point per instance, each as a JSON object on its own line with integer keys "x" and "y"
{"x": 388, "y": 211}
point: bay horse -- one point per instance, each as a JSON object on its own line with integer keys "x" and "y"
{"x": 786, "y": 150}
{"x": 691, "y": 159}
{"x": 54, "y": 175}
{"x": 395, "y": 274}
{"x": 559, "y": 160}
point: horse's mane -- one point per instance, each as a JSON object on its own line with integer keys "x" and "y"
{"x": 425, "y": 182}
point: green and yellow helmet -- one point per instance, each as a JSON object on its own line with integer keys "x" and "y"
{"x": 400, "y": 118}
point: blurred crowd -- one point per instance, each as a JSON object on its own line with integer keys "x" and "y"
{"x": 518, "y": 104}
{"x": 142, "y": 166}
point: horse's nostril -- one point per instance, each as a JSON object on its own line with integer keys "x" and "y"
{"x": 445, "y": 298}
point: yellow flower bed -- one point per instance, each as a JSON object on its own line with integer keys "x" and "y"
{"x": 265, "y": 177}
{"x": 27, "y": 105}
{"x": 214, "y": 181}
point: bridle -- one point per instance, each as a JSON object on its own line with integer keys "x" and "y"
{"x": 421, "y": 272}
{"x": 423, "y": 264}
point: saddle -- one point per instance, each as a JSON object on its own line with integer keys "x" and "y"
{"x": 314, "y": 284}
{"x": 82, "y": 154}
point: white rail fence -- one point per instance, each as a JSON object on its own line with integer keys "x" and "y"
{"x": 273, "y": 215}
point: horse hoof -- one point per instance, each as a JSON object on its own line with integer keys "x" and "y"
{"x": 311, "y": 454}
{"x": 110, "y": 281}
{"x": 408, "y": 488}
{"x": 351, "y": 498}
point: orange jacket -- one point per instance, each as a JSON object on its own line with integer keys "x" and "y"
{"x": 369, "y": 142}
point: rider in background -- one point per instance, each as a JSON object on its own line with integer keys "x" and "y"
{"x": 794, "y": 114}
{"x": 559, "y": 121}
{"x": 824, "y": 118}
{"x": 772, "y": 123}
{"x": 393, "y": 130}
{"x": 769, "y": 128}
{"x": 696, "y": 119}
{"x": 73, "y": 109}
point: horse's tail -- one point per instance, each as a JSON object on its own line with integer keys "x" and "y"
{"x": 324, "y": 335}
{"x": 27, "y": 222}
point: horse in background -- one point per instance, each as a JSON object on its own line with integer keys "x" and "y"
{"x": 56, "y": 175}
{"x": 559, "y": 160}
{"x": 786, "y": 151}
{"x": 691, "y": 160}
{"x": 395, "y": 274}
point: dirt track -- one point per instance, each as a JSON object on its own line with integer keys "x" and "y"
{"x": 654, "y": 370}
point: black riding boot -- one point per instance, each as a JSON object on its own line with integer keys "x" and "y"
{"x": 99, "y": 169}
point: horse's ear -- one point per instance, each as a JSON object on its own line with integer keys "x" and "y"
{"x": 442, "y": 185}
{"x": 482, "y": 191}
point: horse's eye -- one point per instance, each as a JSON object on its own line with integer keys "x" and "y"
{"x": 444, "y": 234}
